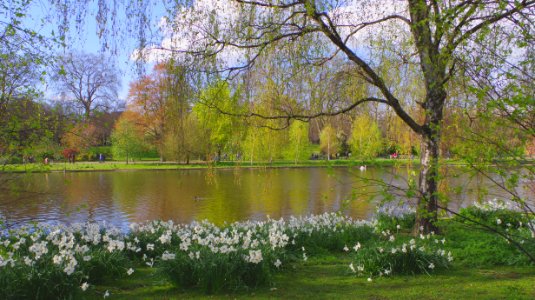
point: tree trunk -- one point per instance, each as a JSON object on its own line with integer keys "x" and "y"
{"x": 427, "y": 208}
{"x": 87, "y": 110}
{"x": 426, "y": 214}
{"x": 328, "y": 149}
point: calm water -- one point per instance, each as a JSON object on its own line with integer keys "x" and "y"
{"x": 217, "y": 195}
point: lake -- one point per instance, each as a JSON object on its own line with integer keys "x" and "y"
{"x": 218, "y": 195}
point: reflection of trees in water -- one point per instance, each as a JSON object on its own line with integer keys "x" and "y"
{"x": 24, "y": 199}
{"x": 459, "y": 186}
{"x": 211, "y": 175}
{"x": 186, "y": 195}
{"x": 236, "y": 171}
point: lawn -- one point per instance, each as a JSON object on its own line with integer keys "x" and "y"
{"x": 328, "y": 277}
{"x": 156, "y": 165}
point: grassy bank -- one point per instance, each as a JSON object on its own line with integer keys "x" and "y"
{"x": 156, "y": 165}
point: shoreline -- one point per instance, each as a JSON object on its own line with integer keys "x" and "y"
{"x": 226, "y": 165}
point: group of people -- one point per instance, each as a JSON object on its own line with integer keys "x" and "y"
{"x": 71, "y": 158}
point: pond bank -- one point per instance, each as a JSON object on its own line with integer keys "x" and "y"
{"x": 156, "y": 165}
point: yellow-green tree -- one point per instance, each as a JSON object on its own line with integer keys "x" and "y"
{"x": 127, "y": 137}
{"x": 224, "y": 129}
{"x": 298, "y": 142}
{"x": 366, "y": 140}
{"x": 329, "y": 143}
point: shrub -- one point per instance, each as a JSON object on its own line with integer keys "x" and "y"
{"x": 392, "y": 256}
{"x": 203, "y": 255}
{"x": 240, "y": 255}
{"x": 40, "y": 280}
{"x": 214, "y": 272}
{"x": 45, "y": 262}
{"x": 395, "y": 223}
{"x": 327, "y": 232}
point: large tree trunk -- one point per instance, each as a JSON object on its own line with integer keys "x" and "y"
{"x": 426, "y": 214}
{"x": 87, "y": 110}
{"x": 427, "y": 208}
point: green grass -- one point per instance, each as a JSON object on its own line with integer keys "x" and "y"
{"x": 484, "y": 267}
{"x": 156, "y": 165}
{"x": 328, "y": 277}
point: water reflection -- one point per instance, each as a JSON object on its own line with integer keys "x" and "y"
{"x": 216, "y": 195}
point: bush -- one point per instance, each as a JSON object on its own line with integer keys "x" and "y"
{"x": 44, "y": 262}
{"x": 486, "y": 245}
{"x": 328, "y": 232}
{"x": 243, "y": 254}
{"x": 415, "y": 256}
{"x": 202, "y": 255}
{"x": 39, "y": 281}
{"x": 214, "y": 272}
{"x": 57, "y": 261}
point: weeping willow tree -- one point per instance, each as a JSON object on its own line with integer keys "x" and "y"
{"x": 434, "y": 35}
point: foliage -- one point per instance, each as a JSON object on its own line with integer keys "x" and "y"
{"x": 506, "y": 230}
{"x": 242, "y": 254}
{"x": 328, "y": 233}
{"x": 395, "y": 256}
{"x": 263, "y": 144}
{"x": 501, "y": 216}
{"x": 366, "y": 141}
{"x": 296, "y": 148}
{"x": 329, "y": 143}
{"x": 224, "y": 129}
{"x": 236, "y": 256}
{"x": 477, "y": 248}
{"x": 127, "y": 138}
{"x": 82, "y": 137}
{"x": 214, "y": 273}
{"x": 395, "y": 223}
{"x": 69, "y": 153}
{"x": 59, "y": 261}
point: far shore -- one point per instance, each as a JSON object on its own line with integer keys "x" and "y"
{"x": 85, "y": 166}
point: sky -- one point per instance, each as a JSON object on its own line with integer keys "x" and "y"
{"x": 183, "y": 36}
{"x": 85, "y": 39}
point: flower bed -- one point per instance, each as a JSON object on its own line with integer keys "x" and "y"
{"x": 59, "y": 261}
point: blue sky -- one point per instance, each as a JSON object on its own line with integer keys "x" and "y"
{"x": 85, "y": 39}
